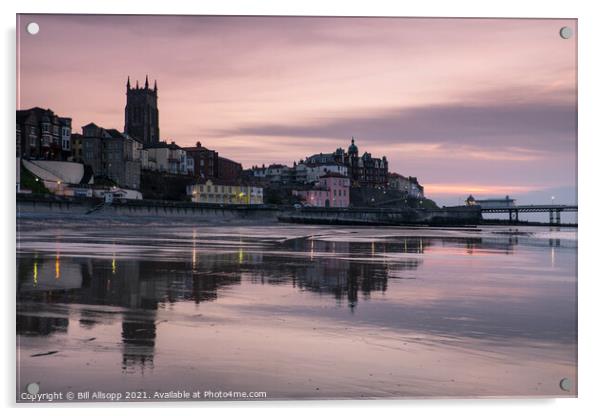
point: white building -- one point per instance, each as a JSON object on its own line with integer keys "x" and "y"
{"x": 274, "y": 173}
{"x": 408, "y": 185}
{"x": 66, "y": 138}
{"x": 169, "y": 158}
{"x": 313, "y": 172}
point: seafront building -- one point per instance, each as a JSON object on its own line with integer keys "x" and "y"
{"x": 215, "y": 191}
{"x": 299, "y": 173}
{"x": 408, "y": 185}
{"x": 314, "y": 171}
{"x": 331, "y": 191}
{"x": 274, "y": 174}
{"x": 167, "y": 158}
{"x": 42, "y": 134}
{"x": 364, "y": 171}
{"x": 111, "y": 154}
{"x": 208, "y": 164}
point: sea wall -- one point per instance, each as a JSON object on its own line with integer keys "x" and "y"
{"x": 94, "y": 208}
{"x": 65, "y": 207}
{"x": 367, "y": 216}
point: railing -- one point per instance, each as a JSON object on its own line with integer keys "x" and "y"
{"x": 531, "y": 208}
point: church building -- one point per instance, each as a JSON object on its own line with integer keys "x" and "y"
{"x": 142, "y": 113}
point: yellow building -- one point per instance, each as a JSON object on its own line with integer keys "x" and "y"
{"x": 215, "y": 192}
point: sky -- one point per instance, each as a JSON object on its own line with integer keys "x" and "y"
{"x": 470, "y": 106}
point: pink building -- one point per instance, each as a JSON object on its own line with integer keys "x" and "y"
{"x": 332, "y": 190}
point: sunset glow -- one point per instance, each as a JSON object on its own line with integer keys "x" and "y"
{"x": 484, "y": 106}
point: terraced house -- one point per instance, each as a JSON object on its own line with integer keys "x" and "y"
{"x": 41, "y": 134}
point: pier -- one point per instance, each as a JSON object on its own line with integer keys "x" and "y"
{"x": 512, "y": 211}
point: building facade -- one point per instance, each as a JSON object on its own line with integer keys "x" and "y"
{"x": 77, "y": 147}
{"x": 111, "y": 154}
{"x": 274, "y": 173}
{"x": 142, "y": 113}
{"x": 123, "y": 159}
{"x": 213, "y": 191}
{"x": 168, "y": 158}
{"x": 300, "y": 172}
{"x": 208, "y": 164}
{"x": 228, "y": 170}
{"x": 363, "y": 171}
{"x": 408, "y": 185}
{"x": 41, "y": 134}
{"x": 331, "y": 191}
{"x": 204, "y": 161}
{"x": 315, "y": 171}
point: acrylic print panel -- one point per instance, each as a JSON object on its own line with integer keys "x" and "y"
{"x": 263, "y": 208}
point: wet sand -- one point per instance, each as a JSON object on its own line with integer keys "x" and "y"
{"x": 297, "y": 312}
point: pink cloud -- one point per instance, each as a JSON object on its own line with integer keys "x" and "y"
{"x": 220, "y": 74}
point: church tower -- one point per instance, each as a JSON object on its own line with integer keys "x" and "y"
{"x": 142, "y": 113}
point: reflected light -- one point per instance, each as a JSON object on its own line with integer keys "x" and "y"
{"x": 194, "y": 248}
{"x": 35, "y": 272}
{"x": 113, "y": 262}
{"x": 57, "y": 267}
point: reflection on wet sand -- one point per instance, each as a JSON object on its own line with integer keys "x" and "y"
{"x": 137, "y": 285}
